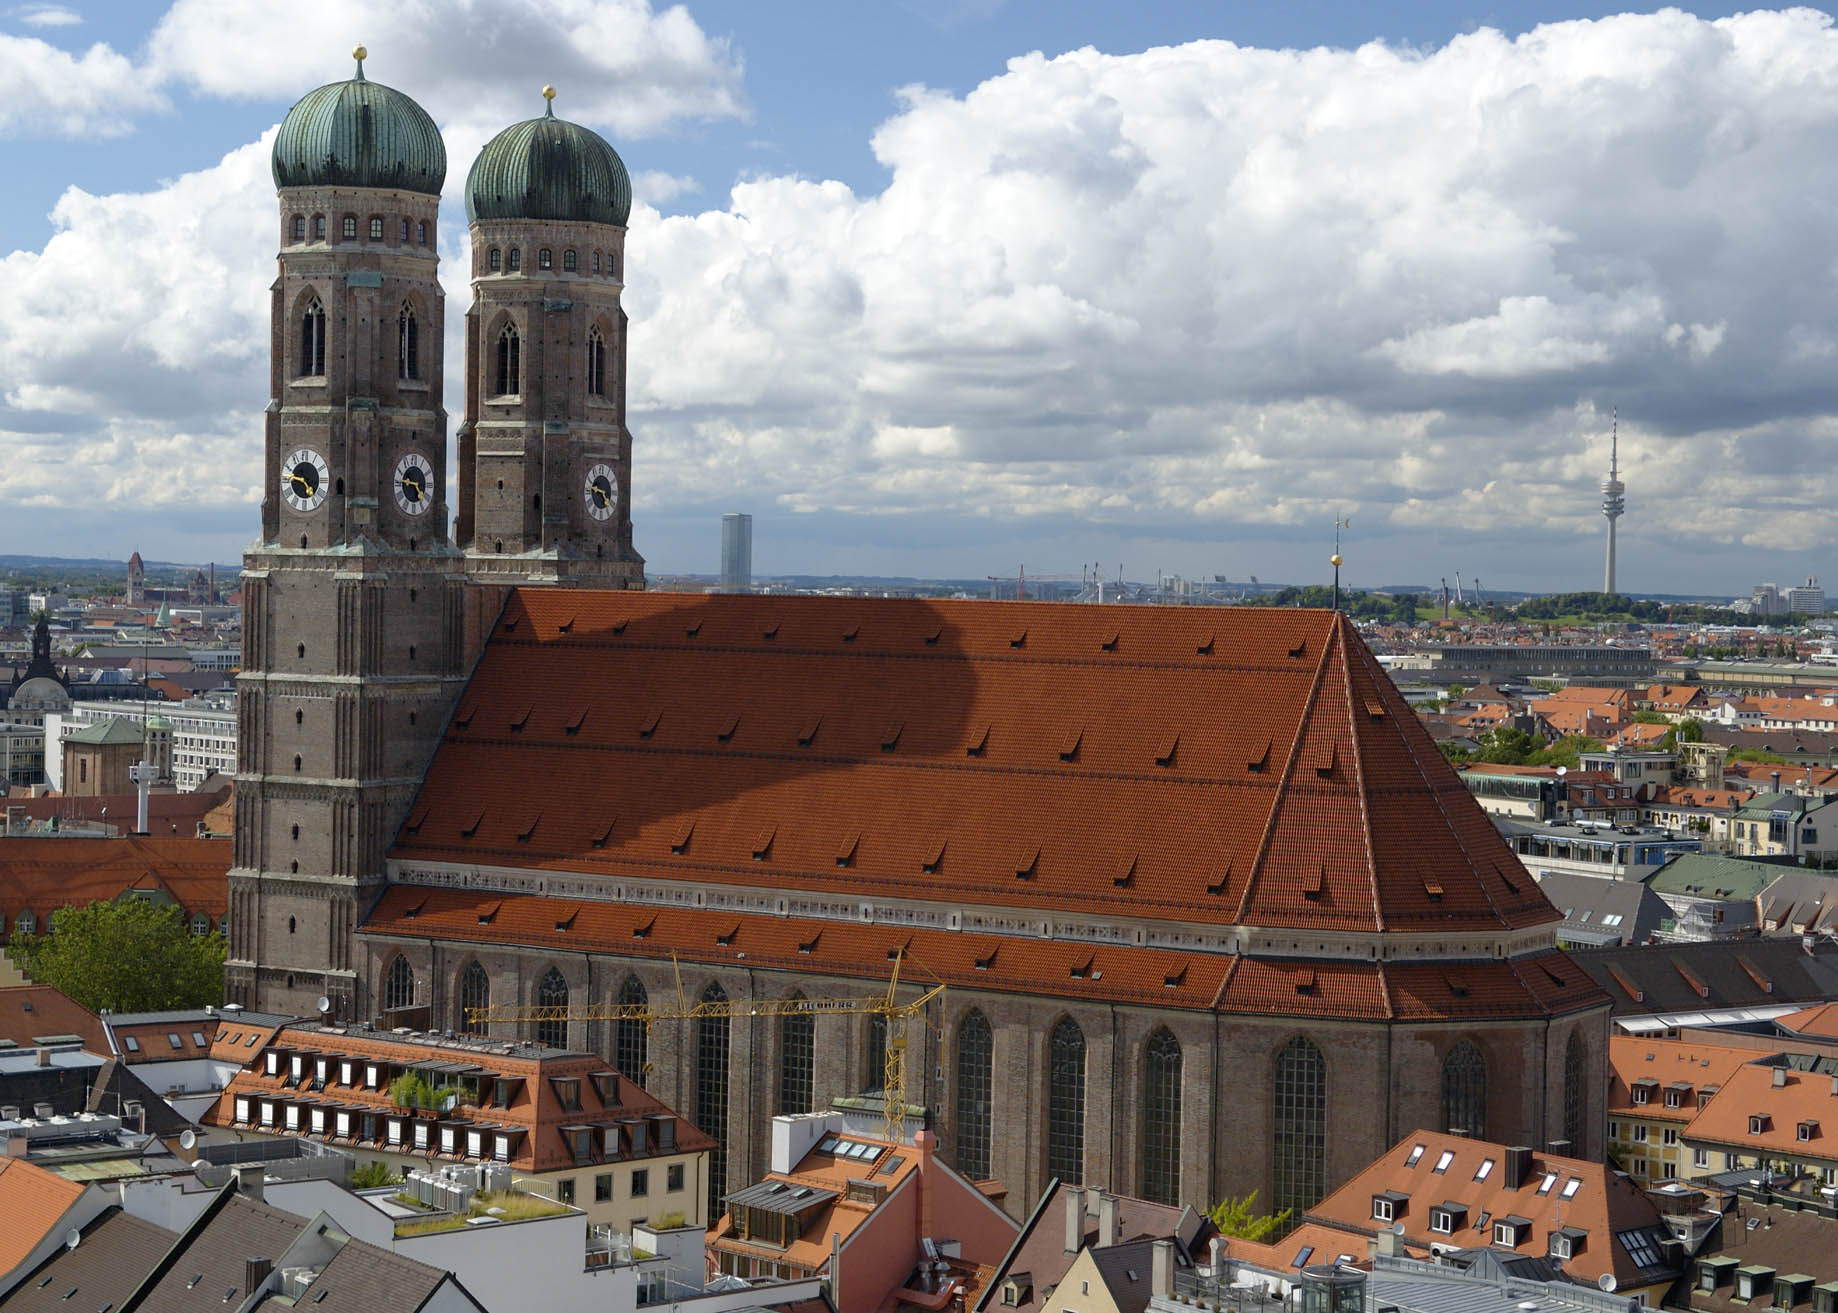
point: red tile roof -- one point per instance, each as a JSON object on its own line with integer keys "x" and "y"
{"x": 33, "y": 1201}
{"x": 975, "y": 752}
{"x": 1819, "y": 1021}
{"x": 29, "y": 1013}
{"x": 1665, "y": 1066}
{"x": 45, "y": 874}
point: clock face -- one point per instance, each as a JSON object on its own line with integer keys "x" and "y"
{"x": 601, "y": 492}
{"x": 305, "y": 479}
{"x": 414, "y": 483}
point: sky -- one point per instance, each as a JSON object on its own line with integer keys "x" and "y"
{"x": 942, "y": 289}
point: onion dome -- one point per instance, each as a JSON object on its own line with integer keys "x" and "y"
{"x": 549, "y": 168}
{"x": 359, "y": 134}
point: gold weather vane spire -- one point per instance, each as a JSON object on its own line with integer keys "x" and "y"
{"x": 548, "y": 94}
{"x": 360, "y": 55}
{"x": 1340, "y": 523}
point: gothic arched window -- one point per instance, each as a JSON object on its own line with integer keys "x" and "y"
{"x": 570, "y": 262}
{"x": 474, "y": 992}
{"x": 712, "y": 1091}
{"x": 797, "y": 1061}
{"x": 544, "y": 260}
{"x": 596, "y": 363}
{"x": 1066, "y": 1103}
{"x": 496, "y": 260}
{"x": 405, "y": 232}
{"x": 1573, "y": 1093}
{"x": 631, "y": 1045}
{"x": 299, "y": 227}
{"x": 312, "y": 339}
{"x": 552, "y": 993}
{"x": 1161, "y": 1119}
{"x": 319, "y": 227}
{"x": 399, "y": 985}
{"x": 1464, "y": 1091}
{"x": 421, "y": 233}
{"x": 516, "y": 261}
{"x": 508, "y": 375}
{"x": 350, "y": 226}
{"x": 874, "y": 1059}
{"x": 408, "y": 344}
{"x": 975, "y": 1075}
{"x": 1298, "y": 1157}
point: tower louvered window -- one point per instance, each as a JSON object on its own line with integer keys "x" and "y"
{"x": 408, "y": 344}
{"x": 1573, "y": 1093}
{"x": 1464, "y": 1091}
{"x": 399, "y": 985}
{"x": 1299, "y": 1125}
{"x": 1161, "y": 1119}
{"x": 797, "y": 1061}
{"x": 596, "y": 364}
{"x": 712, "y": 1091}
{"x": 975, "y": 1075}
{"x": 509, "y": 372}
{"x": 630, "y": 1043}
{"x": 474, "y": 992}
{"x": 312, "y": 340}
{"x": 1066, "y": 1103}
{"x": 552, "y": 993}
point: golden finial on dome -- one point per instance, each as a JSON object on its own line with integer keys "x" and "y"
{"x": 548, "y": 94}
{"x": 1334, "y": 560}
{"x": 359, "y": 54}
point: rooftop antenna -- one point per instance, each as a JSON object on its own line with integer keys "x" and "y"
{"x": 1334, "y": 560}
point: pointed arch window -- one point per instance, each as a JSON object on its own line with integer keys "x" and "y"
{"x": 474, "y": 992}
{"x": 1299, "y": 1125}
{"x": 975, "y": 1077}
{"x": 712, "y": 1088}
{"x": 552, "y": 993}
{"x": 1573, "y": 1093}
{"x": 596, "y": 363}
{"x": 1066, "y": 1103}
{"x": 1464, "y": 1090}
{"x": 399, "y": 985}
{"x": 508, "y": 371}
{"x": 312, "y": 339}
{"x": 408, "y": 344}
{"x": 631, "y": 1045}
{"x": 1161, "y": 1119}
{"x": 874, "y": 1059}
{"x": 797, "y": 1061}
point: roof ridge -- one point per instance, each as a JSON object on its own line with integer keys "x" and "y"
{"x": 1339, "y": 642}
{"x": 1282, "y": 787}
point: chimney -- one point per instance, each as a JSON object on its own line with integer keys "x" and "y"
{"x": 1075, "y": 1219}
{"x": 925, "y": 1142}
{"x": 1107, "y": 1218}
{"x": 1780, "y": 1076}
{"x": 255, "y": 1273}
{"x": 44, "y": 1057}
{"x": 249, "y": 1180}
{"x": 1161, "y": 1270}
{"x": 1561, "y": 1148}
{"x": 1518, "y": 1165}
{"x": 1776, "y": 777}
{"x": 1387, "y": 1242}
{"x": 1835, "y": 1085}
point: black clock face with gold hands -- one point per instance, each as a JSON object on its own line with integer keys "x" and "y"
{"x": 601, "y": 492}
{"x": 304, "y": 478}
{"x": 414, "y": 483}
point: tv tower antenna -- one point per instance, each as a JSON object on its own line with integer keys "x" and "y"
{"x": 1614, "y": 496}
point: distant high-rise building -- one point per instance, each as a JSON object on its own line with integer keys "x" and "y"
{"x": 736, "y": 553}
{"x": 1614, "y": 501}
{"x": 1768, "y": 599}
{"x": 1807, "y": 598}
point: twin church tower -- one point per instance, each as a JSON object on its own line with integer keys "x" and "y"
{"x": 361, "y": 613}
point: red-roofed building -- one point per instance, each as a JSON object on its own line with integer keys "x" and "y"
{"x": 38, "y": 876}
{"x": 1149, "y": 851}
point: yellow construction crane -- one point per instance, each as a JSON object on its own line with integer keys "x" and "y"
{"x": 887, "y": 1005}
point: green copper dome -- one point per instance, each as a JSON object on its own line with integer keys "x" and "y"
{"x": 359, "y": 134}
{"x": 549, "y": 168}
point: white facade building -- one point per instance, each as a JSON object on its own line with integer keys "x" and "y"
{"x": 203, "y": 734}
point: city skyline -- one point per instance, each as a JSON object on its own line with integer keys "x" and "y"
{"x": 1139, "y": 328}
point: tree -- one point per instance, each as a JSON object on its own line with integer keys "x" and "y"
{"x": 127, "y": 956}
{"x": 1566, "y": 752}
{"x": 1240, "y": 1218}
{"x": 1647, "y": 716}
{"x": 1504, "y": 746}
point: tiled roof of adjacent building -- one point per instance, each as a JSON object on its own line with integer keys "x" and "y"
{"x": 969, "y": 752}
{"x": 1707, "y": 976}
{"x": 42, "y": 875}
{"x": 31, "y": 1015}
{"x": 115, "y": 1253}
{"x": 32, "y": 1201}
{"x": 1753, "y": 1114}
{"x": 1675, "y": 1077}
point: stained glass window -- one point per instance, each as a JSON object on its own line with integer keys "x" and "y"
{"x": 975, "y": 1072}
{"x": 1161, "y": 1119}
{"x": 1066, "y": 1103}
{"x": 1299, "y": 1128}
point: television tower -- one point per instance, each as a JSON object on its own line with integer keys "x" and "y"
{"x": 1614, "y": 498}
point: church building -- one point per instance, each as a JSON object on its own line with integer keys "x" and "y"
{"x": 1211, "y": 911}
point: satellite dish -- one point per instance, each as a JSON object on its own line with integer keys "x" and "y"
{"x": 188, "y": 1140}
{"x": 1607, "y": 1283}
{"x": 1397, "y": 1228}
{"x": 72, "y": 1238}
{"x": 1562, "y": 771}
{"x": 324, "y": 1005}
